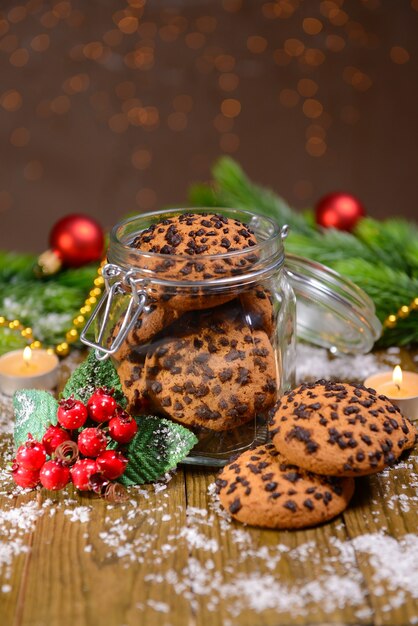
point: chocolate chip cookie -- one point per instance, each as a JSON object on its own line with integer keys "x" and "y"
{"x": 150, "y": 322}
{"x": 262, "y": 488}
{"x": 211, "y": 370}
{"x": 195, "y": 247}
{"x": 258, "y": 305}
{"x": 339, "y": 429}
{"x": 194, "y": 235}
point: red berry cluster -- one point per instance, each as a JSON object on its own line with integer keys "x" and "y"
{"x": 77, "y": 455}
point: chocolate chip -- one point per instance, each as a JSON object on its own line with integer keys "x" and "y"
{"x": 204, "y": 412}
{"x": 271, "y": 486}
{"x": 233, "y": 355}
{"x": 235, "y": 506}
{"x": 156, "y": 387}
{"x": 243, "y": 377}
{"x": 292, "y": 477}
{"x": 327, "y": 497}
{"x": 291, "y": 505}
{"x": 349, "y": 410}
{"x": 303, "y": 435}
{"x": 202, "y": 358}
{"x": 201, "y": 391}
{"x": 263, "y": 464}
{"x": 225, "y": 375}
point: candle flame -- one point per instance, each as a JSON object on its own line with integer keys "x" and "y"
{"x": 397, "y": 375}
{"x": 27, "y": 354}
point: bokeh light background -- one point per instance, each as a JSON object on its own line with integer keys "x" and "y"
{"x": 113, "y": 107}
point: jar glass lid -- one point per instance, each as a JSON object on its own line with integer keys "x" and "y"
{"x": 332, "y": 312}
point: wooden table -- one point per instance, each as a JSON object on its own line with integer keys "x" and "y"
{"x": 166, "y": 559}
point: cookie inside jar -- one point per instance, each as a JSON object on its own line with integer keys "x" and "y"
{"x": 211, "y": 370}
{"x": 206, "y": 348}
{"x": 197, "y": 250}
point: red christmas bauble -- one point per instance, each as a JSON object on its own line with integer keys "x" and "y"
{"x": 77, "y": 240}
{"x": 339, "y": 210}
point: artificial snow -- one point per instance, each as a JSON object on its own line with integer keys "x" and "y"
{"x": 79, "y": 514}
{"x": 316, "y": 363}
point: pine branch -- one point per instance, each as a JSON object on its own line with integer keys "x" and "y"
{"x": 204, "y": 195}
{"x": 394, "y": 242}
{"x": 38, "y": 297}
{"x": 232, "y": 188}
{"x": 15, "y": 267}
{"x": 328, "y": 247}
{"x": 81, "y": 278}
{"x": 389, "y": 289}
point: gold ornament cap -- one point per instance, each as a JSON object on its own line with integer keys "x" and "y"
{"x": 48, "y": 264}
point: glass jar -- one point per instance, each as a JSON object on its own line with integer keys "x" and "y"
{"x": 208, "y": 340}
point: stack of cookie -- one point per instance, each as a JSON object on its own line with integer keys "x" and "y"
{"x": 323, "y": 434}
{"x": 201, "y": 355}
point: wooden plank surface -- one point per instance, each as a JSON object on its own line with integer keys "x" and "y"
{"x": 95, "y": 572}
{"x": 167, "y": 558}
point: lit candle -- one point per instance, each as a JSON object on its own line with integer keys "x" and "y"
{"x": 400, "y": 387}
{"x": 27, "y": 369}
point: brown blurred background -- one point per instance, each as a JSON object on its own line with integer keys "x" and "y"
{"x": 112, "y": 107}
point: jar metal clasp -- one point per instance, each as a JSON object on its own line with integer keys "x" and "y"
{"x": 124, "y": 283}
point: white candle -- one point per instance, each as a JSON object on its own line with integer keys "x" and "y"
{"x": 400, "y": 387}
{"x": 27, "y": 369}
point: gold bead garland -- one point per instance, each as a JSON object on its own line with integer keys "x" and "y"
{"x": 72, "y": 334}
{"x": 404, "y": 312}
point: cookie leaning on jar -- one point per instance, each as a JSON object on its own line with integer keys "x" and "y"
{"x": 339, "y": 429}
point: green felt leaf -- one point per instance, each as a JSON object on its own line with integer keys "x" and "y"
{"x": 157, "y": 448}
{"x": 35, "y": 411}
{"x": 90, "y": 375}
